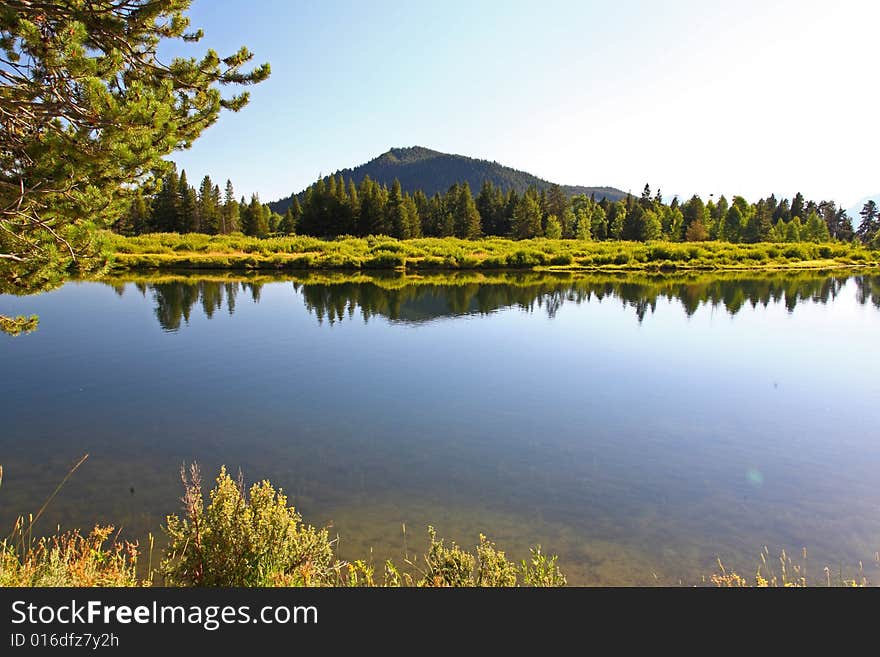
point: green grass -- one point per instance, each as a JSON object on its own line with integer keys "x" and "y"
{"x": 204, "y": 252}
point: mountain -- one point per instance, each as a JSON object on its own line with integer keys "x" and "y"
{"x": 853, "y": 212}
{"x": 431, "y": 171}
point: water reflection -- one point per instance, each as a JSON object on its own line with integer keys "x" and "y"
{"x": 416, "y": 300}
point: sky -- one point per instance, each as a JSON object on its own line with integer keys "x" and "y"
{"x": 691, "y": 96}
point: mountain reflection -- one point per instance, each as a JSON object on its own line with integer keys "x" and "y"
{"x": 416, "y": 300}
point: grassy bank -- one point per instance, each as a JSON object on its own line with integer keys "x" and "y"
{"x": 197, "y": 251}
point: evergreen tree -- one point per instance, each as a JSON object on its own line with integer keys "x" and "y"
{"x": 633, "y": 224}
{"x": 646, "y": 201}
{"x": 88, "y": 110}
{"x": 354, "y": 209}
{"x": 694, "y": 210}
{"x": 797, "y": 206}
{"x": 467, "y": 218}
{"x": 782, "y": 212}
{"x": 230, "y": 211}
{"x": 166, "y": 210}
{"x": 208, "y": 211}
{"x": 188, "y": 221}
{"x": 527, "y": 216}
{"x": 490, "y": 204}
{"x": 400, "y": 213}
{"x": 259, "y": 218}
{"x": 758, "y": 225}
{"x": 136, "y": 219}
{"x": 870, "y": 222}
{"x": 733, "y": 225}
{"x": 557, "y": 203}
{"x": 287, "y": 225}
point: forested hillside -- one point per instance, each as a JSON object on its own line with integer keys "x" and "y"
{"x": 419, "y": 168}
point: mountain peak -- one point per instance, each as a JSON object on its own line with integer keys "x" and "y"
{"x": 407, "y": 154}
{"x": 421, "y": 168}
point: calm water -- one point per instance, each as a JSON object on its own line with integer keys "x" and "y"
{"x": 637, "y": 427}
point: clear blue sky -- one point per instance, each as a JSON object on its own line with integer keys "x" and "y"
{"x": 693, "y": 96}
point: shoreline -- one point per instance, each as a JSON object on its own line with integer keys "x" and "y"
{"x": 196, "y": 252}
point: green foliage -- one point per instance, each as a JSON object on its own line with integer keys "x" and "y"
{"x": 243, "y": 539}
{"x": 451, "y": 566}
{"x": 197, "y": 251}
{"x": 541, "y": 570}
{"x": 554, "y": 228}
{"x": 696, "y": 232}
{"x": 89, "y": 111}
{"x": 527, "y": 217}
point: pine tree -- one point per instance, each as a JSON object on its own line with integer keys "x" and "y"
{"x": 797, "y": 206}
{"x": 633, "y": 223}
{"x": 646, "y": 201}
{"x": 557, "y": 203}
{"x": 397, "y": 217}
{"x": 527, "y": 217}
{"x": 208, "y": 212}
{"x": 89, "y": 110}
{"x": 230, "y": 215}
{"x": 870, "y": 221}
{"x": 167, "y": 203}
{"x": 758, "y": 225}
{"x": 467, "y": 218}
{"x": 287, "y": 225}
{"x": 189, "y": 211}
{"x": 694, "y": 210}
{"x": 731, "y": 230}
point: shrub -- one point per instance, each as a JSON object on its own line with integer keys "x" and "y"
{"x": 542, "y": 571}
{"x": 562, "y": 259}
{"x": 522, "y": 258}
{"x": 489, "y": 567}
{"x": 242, "y": 539}
{"x": 385, "y": 260}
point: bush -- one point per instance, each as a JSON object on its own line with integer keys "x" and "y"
{"x": 562, "y": 259}
{"x": 523, "y": 258}
{"x": 242, "y": 539}
{"x": 489, "y": 567}
{"x": 385, "y": 260}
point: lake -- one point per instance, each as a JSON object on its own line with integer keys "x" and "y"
{"x": 639, "y": 427}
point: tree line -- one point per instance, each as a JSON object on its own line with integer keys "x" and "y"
{"x": 332, "y": 207}
{"x": 174, "y": 206}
